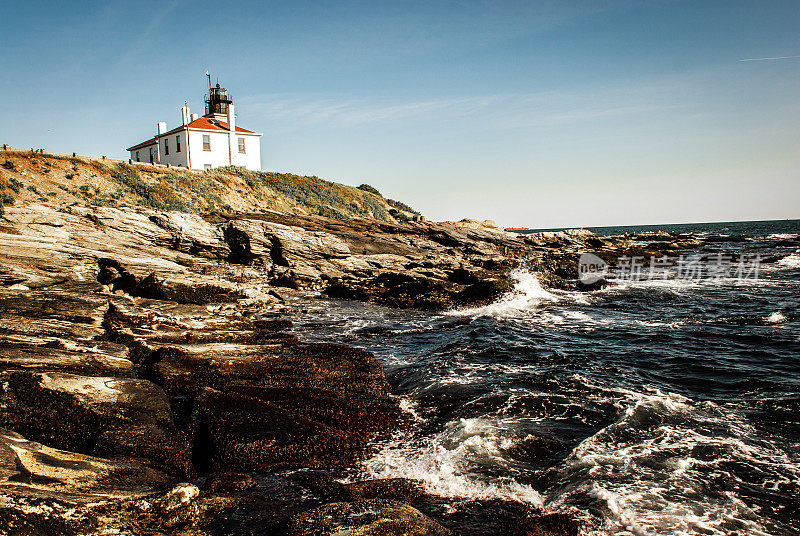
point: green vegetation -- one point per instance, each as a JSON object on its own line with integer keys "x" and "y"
{"x": 370, "y": 189}
{"x": 5, "y": 199}
{"x": 14, "y": 184}
{"x": 225, "y": 189}
{"x": 325, "y": 198}
{"x": 391, "y": 202}
{"x": 185, "y": 192}
{"x": 399, "y": 205}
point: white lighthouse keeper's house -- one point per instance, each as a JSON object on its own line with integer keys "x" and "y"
{"x": 206, "y": 142}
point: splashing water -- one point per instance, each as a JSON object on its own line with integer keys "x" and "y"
{"x": 526, "y": 295}
{"x": 442, "y": 463}
{"x": 657, "y": 408}
{"x": 790, "y": 261}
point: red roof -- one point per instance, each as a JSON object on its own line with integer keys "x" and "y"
{"x": 201, "y": 123}
{"x": 151, "y": 141}
{"x": 206, "y": 123}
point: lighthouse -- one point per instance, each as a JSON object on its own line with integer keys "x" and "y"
{"x": 203, "y": 143}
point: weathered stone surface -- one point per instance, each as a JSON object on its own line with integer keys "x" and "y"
{"x": 377, "y": 517}
{"x": 398, "y": 489}
{"x": 140, "y": 348}
{"x": 101, "y": 416}
{"x": 192, "y": 234}
{"x": 37, "y": 469}
{"x": 545, "y": 525}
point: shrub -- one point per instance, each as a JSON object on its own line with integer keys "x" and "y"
{"x": 14, "y": 184}
{"x": 8, "y": 164}
{"x": 5, "y": 199}
{"x": 331, "y": 212}
{"x": 370, "y": 189}
{"x": 401, "y": 206}
{"x": 156, "y": 195}
{"x": 181, "y": 191}
{"x": 377, "y": 208}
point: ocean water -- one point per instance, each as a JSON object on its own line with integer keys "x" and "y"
{"x": 648, "y": 408}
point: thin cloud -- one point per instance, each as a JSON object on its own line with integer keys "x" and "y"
{"x": 769, "y": 59}
{"x": 354, "y": 112}
{"x": 147, "y": 37}
{"x": 503, "y": 111}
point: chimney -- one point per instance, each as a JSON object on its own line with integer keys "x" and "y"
{"x": 162, "y": 127}
{"x": 185, "y": 114}
{"x": 194, "y": 117}
{"x": 231, "y": 133}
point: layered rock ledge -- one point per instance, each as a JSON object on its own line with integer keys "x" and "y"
{"x": 150, "y": 381}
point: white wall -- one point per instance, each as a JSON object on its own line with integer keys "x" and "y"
{"x": 219, "y": 155}
{"x": 251, "y": 159}
{"x": 144, "y": 154}
{"x": 174, "y": 158}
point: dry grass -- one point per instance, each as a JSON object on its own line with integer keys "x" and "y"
{"x": 63, "y": 180}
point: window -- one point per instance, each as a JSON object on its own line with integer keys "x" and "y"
{"x": 177, "y": 144}
{"x": 151, "y": 155}
{"x": 166, "y": 147}
{"x": 207, "y": 167}
{"x": 137, "y": 156}
{"x": 206, "y": 142}
{"x": 241, "y": 145}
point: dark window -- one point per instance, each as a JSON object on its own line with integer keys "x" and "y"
{"x": 206, "y": 142}
{"x": 241, "y": 145}
{"x": 137, "y": 156}
{"x": 151, "y": 155}
{"x": 177, "y": 144}
{"x": 166, "y": 146}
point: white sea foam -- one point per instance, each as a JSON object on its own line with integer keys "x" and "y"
{"x": 443, "y": 462}
{"x": 775, "y": 318}
{"x": 790, "y": 261}
{"x": 783, "y": 236}
{"x": 527, "y": 294}
{"x": 644, "y": 470}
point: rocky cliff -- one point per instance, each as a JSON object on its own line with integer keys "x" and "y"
{"x": 150, "y": 381}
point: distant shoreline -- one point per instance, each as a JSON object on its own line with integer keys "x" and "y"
{"x": 733, "y": 227}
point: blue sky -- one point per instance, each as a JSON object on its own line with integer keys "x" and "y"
{"x": 540, "y": 114}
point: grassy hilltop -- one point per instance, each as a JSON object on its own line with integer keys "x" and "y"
{"x": 63, "y": 180}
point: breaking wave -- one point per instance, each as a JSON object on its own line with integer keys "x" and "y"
{"x": 790, "y": 261}
{"x": 527, "y": 294}
{"x": 646, "y": 408}
{"x": 668, "y": 467}
{"x": 444, "y": 463}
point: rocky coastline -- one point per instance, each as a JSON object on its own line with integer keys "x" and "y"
{"x": 151, "y": 383}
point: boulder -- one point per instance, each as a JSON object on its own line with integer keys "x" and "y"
{"x": 192, "y": 234}
{"x": 33, "y": 466}
{"x": 178, "y": 287}
{"x": 377, "y": 517}
{"x": 99, "y": 416}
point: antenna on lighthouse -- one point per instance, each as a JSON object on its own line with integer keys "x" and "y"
{"x": 209, "y": 79}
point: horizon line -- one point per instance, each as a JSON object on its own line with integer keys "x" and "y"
{"x": 656, "y": 224}
{"x": 771, "y": 58}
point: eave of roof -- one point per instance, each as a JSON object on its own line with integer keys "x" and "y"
{"x": 201, "y": 123}
{"x": 151, "y": 141}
